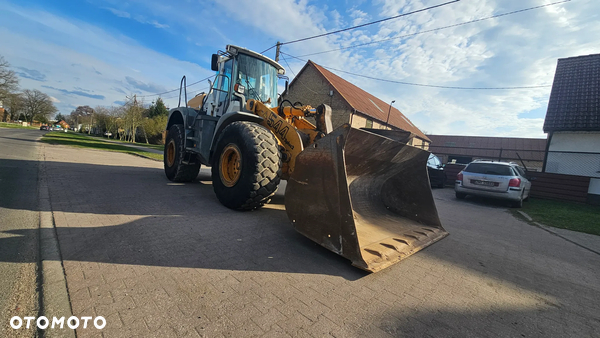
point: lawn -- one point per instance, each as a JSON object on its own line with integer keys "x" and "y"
{"x": 15, "y": 125}
{"x": 153, "y": 146}
{"x": 565, "y": 215}
{"x": 84, "y": 141}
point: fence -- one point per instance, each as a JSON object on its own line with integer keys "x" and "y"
{"x": 532, "y": 158}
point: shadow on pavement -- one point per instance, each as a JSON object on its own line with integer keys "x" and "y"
{"x": 134, "y": 215}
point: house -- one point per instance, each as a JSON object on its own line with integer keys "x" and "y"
{"x": 315, "y": 85}
{"x": 464, "y": 149}
{"x": 573, "y": 121}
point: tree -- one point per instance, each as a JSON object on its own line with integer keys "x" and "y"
{"x": 14, "y": 105}
{"x": 158, "y": 109}
{"x": 37, "y": 105}
{"x": 82, "y": 115}
{"x": 107, "y": 119}
{"x": 9, "y": 82}
{"x": 133, "y": 118}
{"x": 59, "y": 117}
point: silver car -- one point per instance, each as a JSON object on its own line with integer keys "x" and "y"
{"x": 493, "y": 179}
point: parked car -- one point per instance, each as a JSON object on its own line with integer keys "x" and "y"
{"x": 107, "y": 134}
{"x": 44, "y": 128}
{"x": 435, "y": 168}
{"x": 502, "y": 180}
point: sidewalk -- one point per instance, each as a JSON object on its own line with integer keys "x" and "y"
{"x": 159, "y": 259}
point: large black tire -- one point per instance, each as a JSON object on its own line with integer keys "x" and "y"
{"x": 173, "y": 157}
{"x": 460, "y": 195}
{"x": 256, "y": 177}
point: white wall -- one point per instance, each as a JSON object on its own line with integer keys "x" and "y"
{"x": 574, "y": 163}
{"x": 583, "y": 141}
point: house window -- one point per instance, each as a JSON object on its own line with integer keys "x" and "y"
{"x": 369, "y": 124}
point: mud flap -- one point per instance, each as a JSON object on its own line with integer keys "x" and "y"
{"x": 365, "y": 197}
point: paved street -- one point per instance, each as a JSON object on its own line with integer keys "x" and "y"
{"x": 19, "y": 221}
{"x": 160, "y": 259}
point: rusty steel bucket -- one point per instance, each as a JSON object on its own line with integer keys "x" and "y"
{"x": 364, "y": 196}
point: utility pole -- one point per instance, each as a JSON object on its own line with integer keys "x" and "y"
{"x": 277, "y": 51}
{"x": 389, "y": 111}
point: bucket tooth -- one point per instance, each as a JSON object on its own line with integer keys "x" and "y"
{"x": 365, "y": 197}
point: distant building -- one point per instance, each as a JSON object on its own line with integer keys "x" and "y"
{"x": 573, "y": 120}
{"x": 464, "y": 149}
{"x": 315, "y": 85}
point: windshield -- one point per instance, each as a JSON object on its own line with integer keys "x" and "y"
{"x": 259, "y": 78}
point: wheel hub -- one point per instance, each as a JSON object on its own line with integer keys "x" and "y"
{"x": 171, "y": 153}
{"x": 230, "y": 165}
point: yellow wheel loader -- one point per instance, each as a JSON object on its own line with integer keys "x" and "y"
{"x": 361, "y": 193}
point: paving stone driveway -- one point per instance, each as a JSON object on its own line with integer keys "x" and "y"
{"x": 158, "y": 259}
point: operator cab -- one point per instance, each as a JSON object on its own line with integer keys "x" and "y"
{"x": 241, "y": 75}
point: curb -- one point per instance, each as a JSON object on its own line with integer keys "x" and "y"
{"x": 551, "y": 230}
{"x": 54, "y": 297}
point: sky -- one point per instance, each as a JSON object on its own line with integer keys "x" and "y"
{"x": 99, "y": 52}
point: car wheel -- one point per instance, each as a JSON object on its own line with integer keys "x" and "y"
{"x": 460, "y": 195}
{"x": 519, "y": 203}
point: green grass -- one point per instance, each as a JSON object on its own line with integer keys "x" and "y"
{"x": 564, "y": 215}
{"x": 84, "y": 141}
{"x": 153, "y": 146}
{"x": 15, "y": 125}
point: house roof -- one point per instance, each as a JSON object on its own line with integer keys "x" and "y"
{"x": 574, "y": 103}
{"x": 366, "y": 103}
{"x": 531, "y": 149}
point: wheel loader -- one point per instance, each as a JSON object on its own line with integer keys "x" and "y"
{"x": 361, "y": 193}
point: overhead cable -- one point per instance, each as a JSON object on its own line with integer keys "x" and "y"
{"x": 361, "y": 25}
{"x": 421, "y": 84}
{"x": 434, "y": 29}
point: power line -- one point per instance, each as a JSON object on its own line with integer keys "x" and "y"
{"x": 170, "y": 91}
{"x": 305, "y": 86}
{"x": 434, "y": 29}
{"x": 421, "y": 84}
{"x": 361, "y": 25}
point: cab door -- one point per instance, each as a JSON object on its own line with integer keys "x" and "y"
{"x": 218, "y": 100}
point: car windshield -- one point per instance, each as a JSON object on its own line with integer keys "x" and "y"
{"x": 489, "y": 169}
{"x": 259, "y": 78}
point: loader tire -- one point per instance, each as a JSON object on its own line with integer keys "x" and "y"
{"x": 246, "y": 166}
{"x": 173, "y": 157}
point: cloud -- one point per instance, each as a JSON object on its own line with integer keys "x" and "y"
{"x": 139, "y": 18}
{"x": 31, "y": 74}
{"x": 77, "y": 92}
{"x": 55, "y": 100}
{"x": 119, "y": 13}
{"x": 147, "y": 87}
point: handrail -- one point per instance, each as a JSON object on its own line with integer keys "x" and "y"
{"x": 184, "y": 84}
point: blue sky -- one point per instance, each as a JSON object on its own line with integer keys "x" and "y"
{"x": 96, "y": 52}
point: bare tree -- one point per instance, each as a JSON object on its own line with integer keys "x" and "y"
{"x": 9, "y": 82}
{"x": 37, "y": 105}
{"x": 133, "y": 117}
{"x": 14, "y": 105}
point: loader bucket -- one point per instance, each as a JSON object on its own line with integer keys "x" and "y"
{"x": 365, "y": 197}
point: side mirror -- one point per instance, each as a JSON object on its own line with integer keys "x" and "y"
{"x": 214, "y": 63}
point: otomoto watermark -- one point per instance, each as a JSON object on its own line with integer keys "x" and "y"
{"x": 44, "y": 323}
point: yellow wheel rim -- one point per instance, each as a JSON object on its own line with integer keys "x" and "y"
{"x": 231, "y": 163}
{"x": 171, "y": 153}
